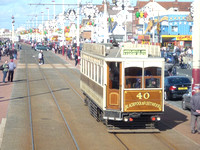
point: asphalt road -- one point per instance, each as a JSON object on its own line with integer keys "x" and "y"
{"x": 181, "y": 72}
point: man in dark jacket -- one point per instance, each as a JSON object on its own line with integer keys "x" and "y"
{"x": 195, "y": 110}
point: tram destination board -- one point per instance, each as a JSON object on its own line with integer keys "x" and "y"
{"x": 134, "y": 52}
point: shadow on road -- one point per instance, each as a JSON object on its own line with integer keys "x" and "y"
{"x": 171, "y": 118}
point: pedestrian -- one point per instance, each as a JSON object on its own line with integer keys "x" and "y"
{"x": 0, "y": 54}
{"x": 12, "y": 67}
{"x": 40, "y": 57}
{"x": 15, "y": 54}
{"x": 195, "y": 110}
{"x": 11, "y": 54}
{"x": 5, "y": 70}
{"x": 76, "y": 59}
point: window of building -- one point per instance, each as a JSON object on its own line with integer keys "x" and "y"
{"x": 174, "y": 28}
{"x": 190, "y": 28}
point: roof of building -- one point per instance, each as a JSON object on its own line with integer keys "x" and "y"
{"x": 182, "y": 6}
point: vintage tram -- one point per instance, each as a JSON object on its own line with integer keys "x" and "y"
{"x": 123, "y": 85}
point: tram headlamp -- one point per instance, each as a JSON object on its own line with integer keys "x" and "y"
{"x": 158, "y": 118}
{"x": 126, "y": 119}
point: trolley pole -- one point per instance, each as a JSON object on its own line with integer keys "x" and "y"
{"x": 196, "y": 45}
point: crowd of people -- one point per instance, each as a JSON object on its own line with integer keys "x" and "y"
{"x": 178, "y": 56}
{"x": 70, "y": 51}
{"x": 7, "y": 67}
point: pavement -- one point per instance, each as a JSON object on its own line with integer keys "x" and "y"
{"x": 179, "y": 123}
{"x": 5, "y": 94}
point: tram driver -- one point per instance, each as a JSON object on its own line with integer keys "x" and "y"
{"x": 152, "y": 83}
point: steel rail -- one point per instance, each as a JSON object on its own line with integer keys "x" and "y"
{"x": 29, "y": 104}
{"x": 76, "y": 92}
{"x": 164, "y": 141}
{"x": 55, "y": 100}
{"x": 161, "y": 139}
{"x": 68, "y": 82}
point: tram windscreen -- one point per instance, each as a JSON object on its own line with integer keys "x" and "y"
{"x": 152, "y": 77}
{"x": 133, "y": 77}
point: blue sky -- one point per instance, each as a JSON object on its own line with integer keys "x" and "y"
{"x": 23, "y": 12}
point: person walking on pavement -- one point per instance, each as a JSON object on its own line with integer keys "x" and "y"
{"x": 76, "y": 59}
{"x": 40, "y": 57}
{"x": 195, "y": 110}
{"x": 15, "y": 54}
{"x": 12, "y": 66}
{"x": 5, "y": 70}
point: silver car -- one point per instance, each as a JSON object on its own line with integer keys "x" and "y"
{"x": 186, "y": 99}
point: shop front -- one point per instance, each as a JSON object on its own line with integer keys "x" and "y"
{"x": 177, "y": 40}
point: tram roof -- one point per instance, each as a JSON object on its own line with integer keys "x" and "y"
{"x": 107, "y": 50}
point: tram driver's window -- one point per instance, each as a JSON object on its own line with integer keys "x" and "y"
{"x": 152, "y": 77}
{"x": 132, "y": 78}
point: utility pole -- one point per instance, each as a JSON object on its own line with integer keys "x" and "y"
{"x": 54, "y": 17}
{"x": 153, "y": 37}
{"x": 13, "y": 21}
{"x": 63, "y": 28}
{"x": 78, "y": 29}
{"x": 42, "y": 26}
{"x": 36, "y": 29}
{"x": 48, "y": 33}
{"x": 196, "y": 46}
{"x": 105, "y": 22}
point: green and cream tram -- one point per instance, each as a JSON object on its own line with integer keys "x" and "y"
{"x": 123, "y": 86}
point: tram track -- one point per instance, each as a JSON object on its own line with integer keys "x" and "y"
{"x": 29, "y": 103}
{"x": 55, "y": 100}
{"x": 167, "y": 144}
{"x": 120, "y": 140}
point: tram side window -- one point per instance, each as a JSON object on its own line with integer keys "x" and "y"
{"x": 95, "y": 72}
{"x": 152, "y": 77}
{"x": 133, "y": 78}
{"x": 99, "y": 68}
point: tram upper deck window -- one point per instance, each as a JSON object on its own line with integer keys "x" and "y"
{"x": 132, "y": 78}
{"x": 152, "y": 77}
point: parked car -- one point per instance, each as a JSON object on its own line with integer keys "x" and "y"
{"x": 186, "y": 99}
{"x": 175, "y": 87}
{"x": 41, "y": 47}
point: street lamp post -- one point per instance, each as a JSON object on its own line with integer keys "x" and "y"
{"x": 153, "y": 23}
{"x": 48, "y": 35}
{"x": 42, "y": 26}
{"x": 105, "y": 22}
{"x": 63, "y": 30}
{"x": 196, "y": 46}
{"x": 36, "y": 31}
{"x": 13, "y": 21}
{"x": 54, "y": 19}
{"x": 78, "y": 29}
